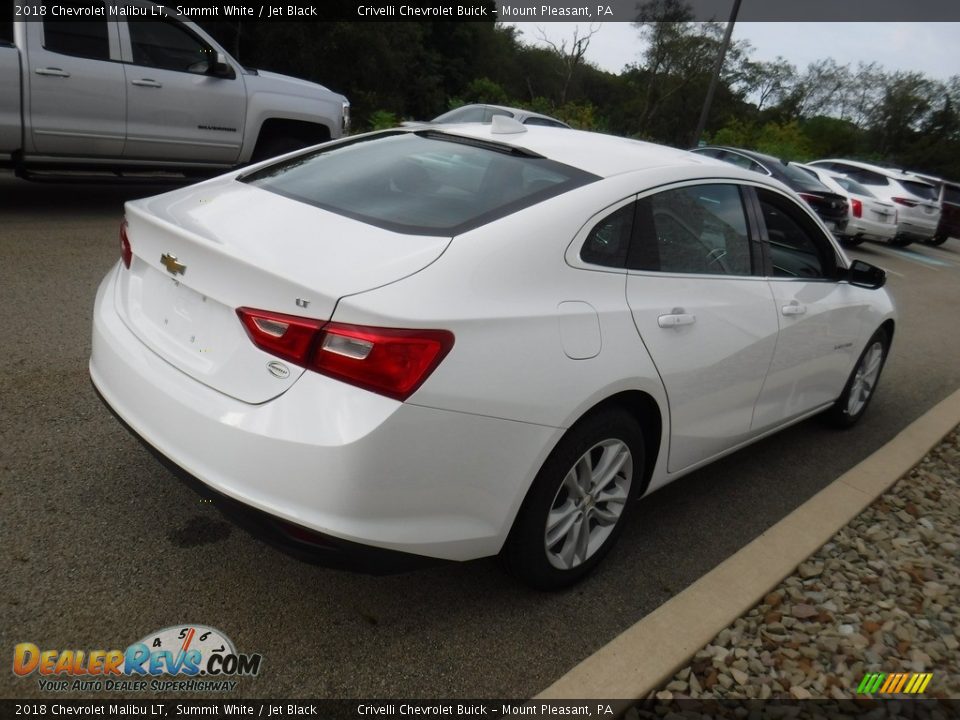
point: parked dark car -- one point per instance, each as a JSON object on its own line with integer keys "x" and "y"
{"x": 949, "y": 196}
{"x": 831, "y": 207}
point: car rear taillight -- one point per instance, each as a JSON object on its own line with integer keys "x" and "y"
{"x": 856, "y": 207}
{"x": 287, "y": 336}
{"x": 389, "y": 361}
{"x": 904, "y": 201}
{"x": 809, "y": 198}
{"x": 126, "y": 252}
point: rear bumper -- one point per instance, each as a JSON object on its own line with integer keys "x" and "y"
{"x": 860, "y": 227}
{"x": 917, "y": 228}
{"x": 325, "y": 456}
{"x": 300, "y": 542}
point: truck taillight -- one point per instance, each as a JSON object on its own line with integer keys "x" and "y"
{"x": 856, "y": 207}
{"x": 126, "y": 252}
{"x": 390, "y": 361}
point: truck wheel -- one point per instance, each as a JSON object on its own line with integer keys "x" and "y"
{"x": 937, "y": 240}
{"x": 901, "y": 241}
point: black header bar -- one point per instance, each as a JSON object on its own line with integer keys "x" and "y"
{"x": 491, "y": 10}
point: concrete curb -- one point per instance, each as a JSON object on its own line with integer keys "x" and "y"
{"x": 645, "y": 656}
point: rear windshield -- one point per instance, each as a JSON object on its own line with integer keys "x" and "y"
{"x": 927, "y": 192}
{"x": 424, "y": 183}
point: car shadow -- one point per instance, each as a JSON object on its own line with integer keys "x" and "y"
{"x": 83, "y": 198}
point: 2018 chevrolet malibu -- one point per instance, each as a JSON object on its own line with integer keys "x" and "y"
{"x": 479, "y": 340}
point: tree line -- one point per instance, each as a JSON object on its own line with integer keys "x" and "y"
{"x": 417, "y": 70}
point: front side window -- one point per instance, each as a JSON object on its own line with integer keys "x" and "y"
{"x": 700, "y": 229}
{"x": 167, "y": 45}
{"x": 797, "y": 246}
{"x": 426, "y": 182}
{"x": 86, "y": 39}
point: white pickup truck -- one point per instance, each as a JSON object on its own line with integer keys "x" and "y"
{"x": 144, "y": 94}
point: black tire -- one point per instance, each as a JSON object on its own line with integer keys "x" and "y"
{"x": 936, "y": 240}
{"x": 526, "y": 553}
{"x": 847, "y": 241}
{"x": 844, "y": 413}
{"x": 901, "y": 241}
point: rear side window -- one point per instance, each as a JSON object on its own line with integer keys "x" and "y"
{"x": 951, "y": 194}
{"x": 797, "y": 247}
{"x": 87, "y": 39}
{"x": 744, "y": 162}
{"x": 700, "y": 229}
{"x": 862, "y": 175}
{"x": 608, "y": 242}
{"x": 424, "y": 183}
{"x": 852, "y": 186}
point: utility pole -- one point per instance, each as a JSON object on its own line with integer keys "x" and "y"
{"x": 717, "y": 67}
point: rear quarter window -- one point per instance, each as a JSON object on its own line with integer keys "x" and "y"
{"x": 424, "y": 183}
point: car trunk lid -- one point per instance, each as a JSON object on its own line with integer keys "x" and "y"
{"x": 201, "y": 252}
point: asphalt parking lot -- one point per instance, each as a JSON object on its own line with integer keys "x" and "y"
{"x": 102, "y": 546}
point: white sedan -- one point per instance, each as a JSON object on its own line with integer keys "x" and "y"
{"x": 870, "y": 217}
{"x": 477, "y": 340}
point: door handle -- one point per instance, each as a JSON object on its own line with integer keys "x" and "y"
{"x": 676, "y": 318}
{"x": 794, "y": 308}
{"x": 146, "y": 82}
{"x": 52, "y": 72}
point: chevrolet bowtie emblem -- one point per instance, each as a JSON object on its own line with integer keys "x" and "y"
{"x": 170, "y": 263}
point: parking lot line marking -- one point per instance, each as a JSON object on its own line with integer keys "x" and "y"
{"x": 892, "y": 272}
{"x": 643, "y": 657}
{"x": 923, "y": 258}
{"x": 890, "y": 252}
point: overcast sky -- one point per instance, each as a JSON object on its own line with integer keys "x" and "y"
{"x": 931, "y": 48}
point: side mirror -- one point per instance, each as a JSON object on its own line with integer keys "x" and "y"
{"x": 221, "y": 68}
{"x": 863, "y": 274}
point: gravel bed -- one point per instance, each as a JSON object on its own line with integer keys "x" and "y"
{"x": 883, "y": 595}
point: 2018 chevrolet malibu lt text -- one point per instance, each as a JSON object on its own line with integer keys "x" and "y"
{"x": 478, "y": 340}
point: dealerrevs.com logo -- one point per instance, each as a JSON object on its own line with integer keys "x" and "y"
{"x": 201, "y": 659}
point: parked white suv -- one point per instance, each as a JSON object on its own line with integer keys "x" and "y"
{"x": 870, "y": 218}
{"x": 918, "y": 210}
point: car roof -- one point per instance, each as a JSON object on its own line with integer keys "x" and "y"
{"x": 889, "y": 172}
{"x": 597, "y": 153}
{"x": 517, "y": 112}
{"x": 749, "y": 153}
